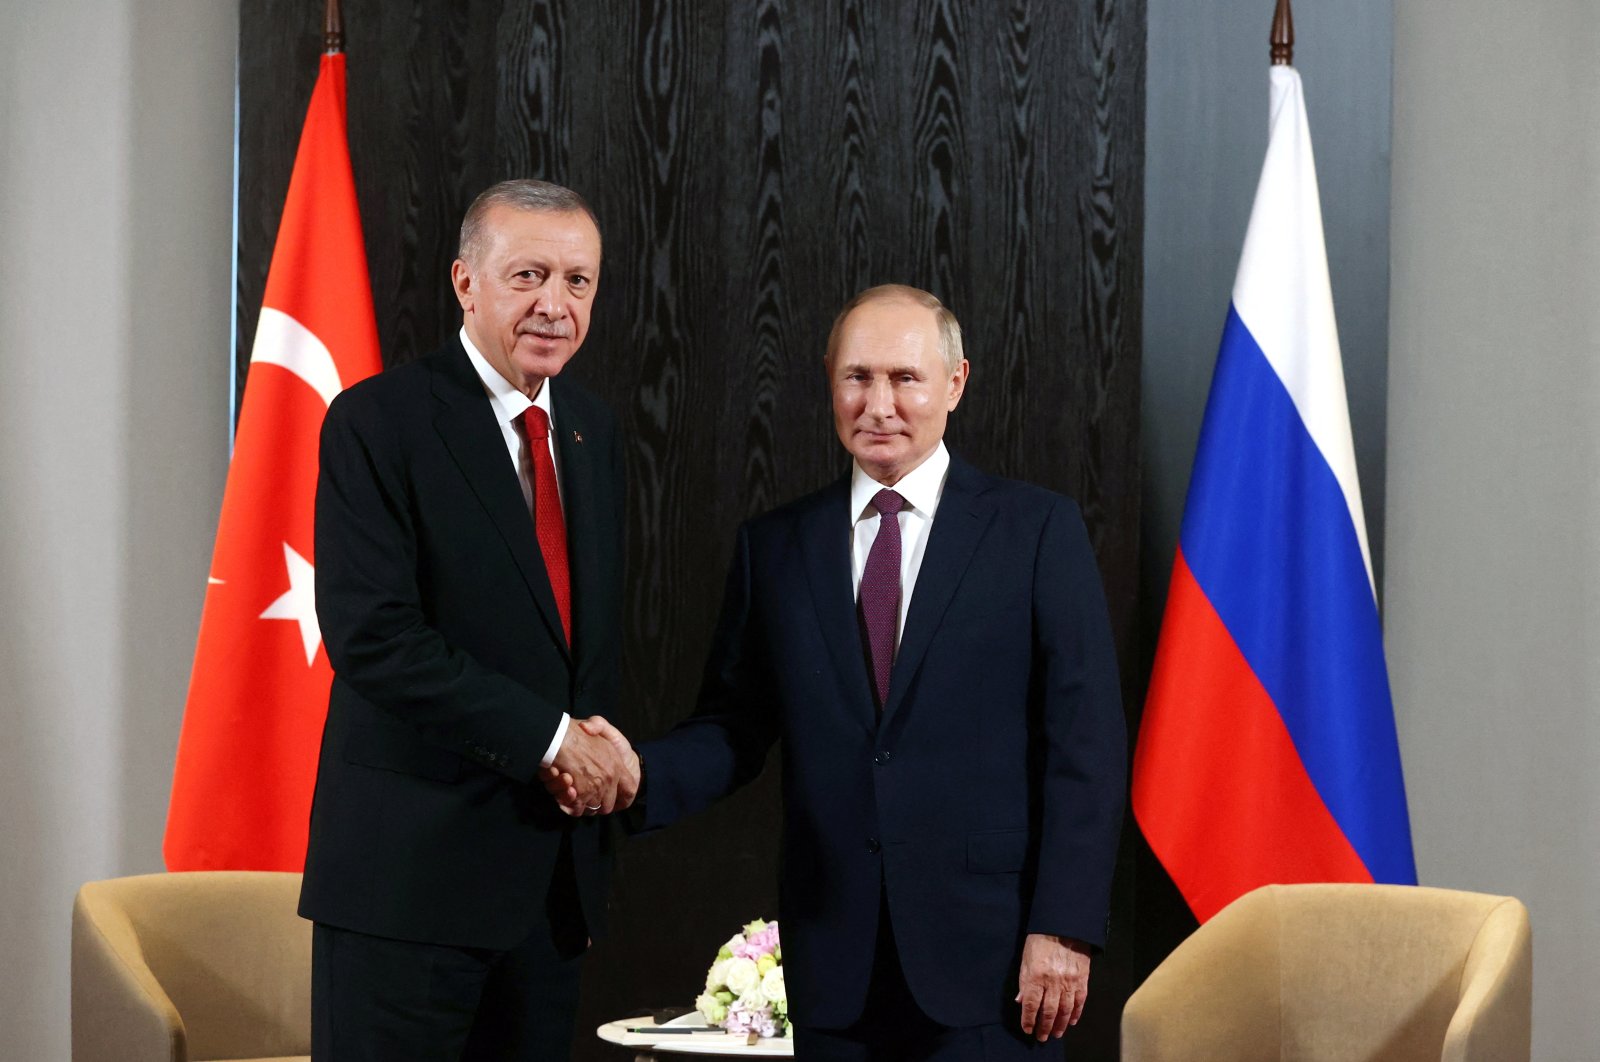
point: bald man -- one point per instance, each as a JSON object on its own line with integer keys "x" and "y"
{"x": 931, "y": 644}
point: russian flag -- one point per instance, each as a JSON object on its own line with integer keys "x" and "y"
{"x": 1267, "y": 753}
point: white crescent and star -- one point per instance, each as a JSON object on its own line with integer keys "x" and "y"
{"x": 285, "y": 342}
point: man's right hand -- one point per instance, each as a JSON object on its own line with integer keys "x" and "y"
{"x": 595, "y": 772}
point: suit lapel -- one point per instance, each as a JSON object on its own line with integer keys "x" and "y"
{"x": 586, "y": 505}
{"x": 466, "y": 424}
{"x": 957, "y": 527}
{"x": 825, "y": 541}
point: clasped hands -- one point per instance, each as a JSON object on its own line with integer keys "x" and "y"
{"x": 595, "y": 771}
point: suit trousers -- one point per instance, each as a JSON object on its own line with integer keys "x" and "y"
{"x": 374, "y": 999}
{"x": 892, "y": 1026}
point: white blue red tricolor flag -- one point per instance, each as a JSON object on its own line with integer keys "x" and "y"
{"x": 1267, "y": 753}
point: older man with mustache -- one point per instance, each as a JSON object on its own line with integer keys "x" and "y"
{"x": 469, "y": 558}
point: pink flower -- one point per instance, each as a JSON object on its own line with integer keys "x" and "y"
{"x": 755, "y": 945}
{"x": 745, "y": 1019}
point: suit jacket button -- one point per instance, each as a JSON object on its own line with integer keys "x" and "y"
{"x": 882, "y": 758}
{"x": 873, "y": 846}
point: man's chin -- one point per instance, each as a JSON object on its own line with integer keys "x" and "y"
{"x": 541, "y": 364}
{"x": 881, "y": 462}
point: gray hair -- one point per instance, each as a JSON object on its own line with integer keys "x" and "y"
{"x": 949, "y": 327}
{"x": 521, "y": 194}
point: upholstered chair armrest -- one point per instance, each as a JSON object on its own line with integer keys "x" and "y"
{"x": 1492, "y": 1021}
{"x": 1215, "y": 997}
{"x": 119, "y": 1012}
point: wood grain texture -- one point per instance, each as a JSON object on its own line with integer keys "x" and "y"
{"x": 938, "y": 154}
{"x": 753, "y": 164}
{"x": 533, "y": 116}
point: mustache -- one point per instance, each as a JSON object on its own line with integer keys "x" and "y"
{"x": 548, "y": 329}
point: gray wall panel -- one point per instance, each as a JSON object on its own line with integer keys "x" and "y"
{"x": 1494, "y": 515}
{"x": 116, "y": 162}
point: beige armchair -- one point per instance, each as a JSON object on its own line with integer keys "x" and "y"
{"x": 179, "y": 967}
{"x": 1343, "y": 973}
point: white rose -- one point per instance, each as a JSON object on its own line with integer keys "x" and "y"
{"x": 772, "y": 986}
{"x": 741, "y": 976}
{"x": 717, "y": 976}
{"x": 735, "y": 941}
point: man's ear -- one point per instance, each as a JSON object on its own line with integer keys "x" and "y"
{"x": 958, "y": 384}
{"x": 461, "y": 282}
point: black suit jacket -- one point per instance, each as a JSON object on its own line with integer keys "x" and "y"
{"x": 450, "y": 667}
{"x": 986, "y": 801}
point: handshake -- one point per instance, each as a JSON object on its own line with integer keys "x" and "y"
{"x": 595, "y": 771}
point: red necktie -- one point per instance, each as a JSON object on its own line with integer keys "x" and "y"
{"x": 547, "y": 520}
{"x": 879, "y": 598}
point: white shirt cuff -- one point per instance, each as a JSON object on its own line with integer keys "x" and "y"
{"x": 555, "y": 744}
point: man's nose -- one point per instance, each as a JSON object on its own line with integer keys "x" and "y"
{"x": 880, "y": 399}
{"x": 550, "y": 301}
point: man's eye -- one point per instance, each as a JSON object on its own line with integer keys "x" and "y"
{"x": 579, "y": 282}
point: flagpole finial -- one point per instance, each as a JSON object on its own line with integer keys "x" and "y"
{"x": 1283, "y": 35}
{"x": 332, "y": 29}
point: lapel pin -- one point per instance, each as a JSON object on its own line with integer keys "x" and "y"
{"x": 577, "y": 436}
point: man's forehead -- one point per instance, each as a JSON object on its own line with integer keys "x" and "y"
{"x": 894, "y": 335}
{"x": 886, "y": 321}
{"x": 517, "y": 230}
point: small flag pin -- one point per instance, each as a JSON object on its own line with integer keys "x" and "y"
{"x": 577, "y": 436}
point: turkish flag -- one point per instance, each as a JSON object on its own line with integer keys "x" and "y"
{"x": 258, "y": 695}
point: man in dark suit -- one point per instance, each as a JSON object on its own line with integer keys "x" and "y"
{"x": 931, "y": 643}
{"x": 468, "y": 548}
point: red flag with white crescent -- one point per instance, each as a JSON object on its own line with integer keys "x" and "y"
{"x": 258, "y": 695}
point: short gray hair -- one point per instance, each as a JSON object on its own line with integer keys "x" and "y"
{"x": 949, "y": 328}
{"x": 524, "y": 193}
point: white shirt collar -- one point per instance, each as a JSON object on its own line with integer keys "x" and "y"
{"x": 509, "y": 403}
{"x": 921, "y": 487}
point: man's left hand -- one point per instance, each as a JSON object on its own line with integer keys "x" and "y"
{"x": 1054, "y": 983}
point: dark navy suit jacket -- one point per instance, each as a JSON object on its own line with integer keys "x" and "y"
{"x": 984, "y": 804}
{"x": 451, "y": 670}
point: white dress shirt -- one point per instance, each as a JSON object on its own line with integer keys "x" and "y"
{"x": 509, "y": 405}
{"x": 921, "y": 488}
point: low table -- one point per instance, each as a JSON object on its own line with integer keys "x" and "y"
{"x": 650, "y": 1046}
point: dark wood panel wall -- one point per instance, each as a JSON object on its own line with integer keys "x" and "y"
{"x": 753, "y": 164}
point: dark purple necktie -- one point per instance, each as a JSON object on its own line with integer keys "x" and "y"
{"x": 879, "y": 601}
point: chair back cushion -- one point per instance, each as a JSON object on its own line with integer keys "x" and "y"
{"x": 1342, "y": 973}
{"x": 1373, "y": 972}
{"x": 226, "y": 947}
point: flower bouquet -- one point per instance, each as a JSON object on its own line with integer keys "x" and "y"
{"x": 744, "y": 987}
